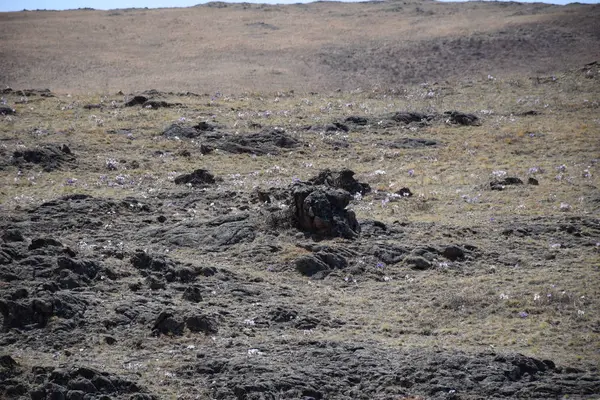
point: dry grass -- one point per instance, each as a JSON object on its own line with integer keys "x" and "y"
{"x": 311, "y": 47}
{"x": 448, "y": 307}
{"x": 471, "y": 309}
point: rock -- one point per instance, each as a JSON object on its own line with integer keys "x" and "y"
{"x": 199, "y": 177}
{"x": 337, "y": 127}
{"x": 50, "y": 157}
{"x": 168, "y": 324}
{"x": 512, "y": 180}
{"x": 144, "y": 261}
{"x": 217, "y": 234}
{"x": 13, "y": 235}
{"x": 453, "y": 253}
{"x": 322, "y": 210}
{"x": 459, "y": 118}
{"x": 203, "y": 129}
{"x": 34, "y": 92}
{"x": 309, "y": 265}
{"x": 7, "y": 362}
{"x": 7, "y": 110}
{"x": 204, "y": 126}
{"x": 500, "y": 185}
{"x": 103, "y": 383}
{"x": 136, "y": 101}
{"x": 82, "y": 384}
{"x": 204, "y": 149}
{"x": 282, "y": 315}
{"x": 417, "y": 262}
{"x": 307, "y": 323}
{"x": 357, "y": 120}
{"x": 75, "y": 395}
{"x": 389, "y": 254}
{"x": 155, "y": 104}
{"x": 404, "y": 192}
{"x": 110, "y": 340}
{"x": 192, "y": 294}
{"x": 408, "y": 117}
{"x": 343, "y": 179}
{"x": 265, "y": 142}
{"x": 88, "y": 268}
{"x": 26, "y": 313}
{"x": 202, "y": 323}
{"x": 39, "y": 243}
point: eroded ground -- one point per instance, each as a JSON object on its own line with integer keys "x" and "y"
{"x": 174, "y": 245}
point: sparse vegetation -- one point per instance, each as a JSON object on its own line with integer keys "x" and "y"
{"x": 474, "y": 263}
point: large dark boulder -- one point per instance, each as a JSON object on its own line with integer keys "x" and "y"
{"x": 322, "y": 210}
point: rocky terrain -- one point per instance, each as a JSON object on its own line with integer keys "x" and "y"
{"x": 428, "y": 239}
{"x": 194, "y": 248}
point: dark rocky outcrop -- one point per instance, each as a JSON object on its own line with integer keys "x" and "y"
{"x": 136, "y": 101}
{"x": 202, "y": 129}
{"x": 409, "y": 117}
{"x": 50, "y": 157}
{"x": 7, "y": 110}
{"x": 65, "y": 382}
{"x": 342, "y": 179}
{"x": 269, "y": 141}
{"x": 202, "y": 323}
{"x": 321, "y": 261}
{"x": 357, "y": 120}
{"x": 501, "y": 184}
{"x": 322, "y": 210}
{"x": 199, "y": 177}
{"x": 265, "y": 142}
{"x": 168, "y": 323}
{"x": 460, "y": 118}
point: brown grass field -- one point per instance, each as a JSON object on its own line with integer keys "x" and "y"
{"x": 315, "y": 47}
{"x": 526, "y": 70}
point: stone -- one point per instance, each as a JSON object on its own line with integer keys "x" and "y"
{"x": 192, "y": 294}
{"x": 417, "y": 262}
{"x": 202, "y": 323}
{"x": 322, "y": 210}
{"x": 342, "y": 179}
{"x": 168, "y": 323}
{"x": 198, "y": 178}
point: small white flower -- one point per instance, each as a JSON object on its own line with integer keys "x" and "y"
{"x": 503, "y": 296}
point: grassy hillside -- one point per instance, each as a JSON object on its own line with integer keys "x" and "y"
{"x": 304, "y": 47}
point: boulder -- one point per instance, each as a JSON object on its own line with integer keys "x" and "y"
{"x": 322, "y": 210}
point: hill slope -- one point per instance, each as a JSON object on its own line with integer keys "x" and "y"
{"x": 305, "y": 47}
